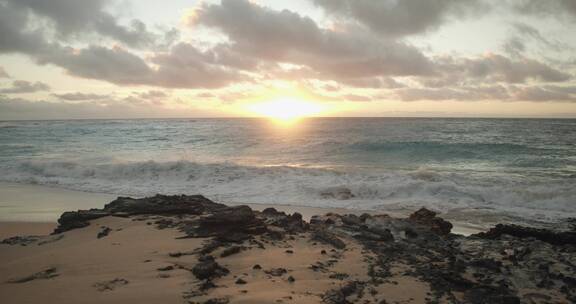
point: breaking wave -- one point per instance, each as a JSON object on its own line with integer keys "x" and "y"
{"x": 234, "y": 183}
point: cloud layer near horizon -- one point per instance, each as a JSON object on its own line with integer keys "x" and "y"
{"x": 362, "y": 50}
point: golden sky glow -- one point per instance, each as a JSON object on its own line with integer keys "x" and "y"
{"x": 286, "y": 59}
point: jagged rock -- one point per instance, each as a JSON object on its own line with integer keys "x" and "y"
{"x": 218, "y": 301}
{"x": 544, "y": 235}
{"x": 103, "y": 232}
{"x": 207, "y": 268}
{"x": 229, "y": 220}
{"x": 428, "y": 218}
{"x": 78, "y": 219}
{"x": 484, "y": 295}
{"x": 20, "y": 240}
{"x": 110, "y": 285}
{"x": 340, "y": 295}
{"x": 126, "y": 206}
{"x": 232, "y": 250}
{"x": 163, "y": 204}
{"x": 339, "y": 193}
{"x": 276, "y": 272}
{"x": 290, "y": 223}
{"x": 42, "y": 275}
{"x": 327, "y": 237}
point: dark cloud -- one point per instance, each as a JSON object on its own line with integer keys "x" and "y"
{"x": 489, "y": 69}
{"x": 23, "y": 86}
{"x": 182, "y": 67}
{"x": 535, "y": 93}
{"x": 73, "y": 18}
{"x": 285, "y": 36}
{"x": 551, "y": 8}
{"x": 19, "y": 108}
{"x": 401, "y": 18}
{"x": 78, "y": 96}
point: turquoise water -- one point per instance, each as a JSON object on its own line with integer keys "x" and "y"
{"x": 518, "y": 167}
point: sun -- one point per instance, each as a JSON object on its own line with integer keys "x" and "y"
{"x": 286, "y": 109}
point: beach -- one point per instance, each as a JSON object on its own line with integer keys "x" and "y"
{"x": 188, "y": 249}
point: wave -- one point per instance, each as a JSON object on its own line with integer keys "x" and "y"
{"x": 234, "y": 183}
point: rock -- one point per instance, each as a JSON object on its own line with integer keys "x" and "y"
{"x": 218, "y": 301}
{"x": 110, "y": 285}
{"x": 544, "y": 235}
{"x": 232, "y": 250}
{"x": 338, "y": 296}
{"x": 276, "y": 272}
{"x": 257, "y": 267}
{"x": 167, "y": 268}
{"x": 103, "y": 232}
{"x": 78, "y": 219}
{"x": 163, "y": 204}
{"x": 241, "y": 281}
{"x": 485, "y": 295}
{"x": 207, "y": 268}
{"x": 291, "y": 279}
{"x": 289, "y": 251}
{"x": 428, "y": 218}
{"x": 327, "y": 237}
{"x": 339, "y": 193}
{"x": 290, "y": 223}
{"x": 42, "y": 275}
{"x": 21, "y": 240}
{"x": 240, "y": 220}
{"x": 126, "y": 206}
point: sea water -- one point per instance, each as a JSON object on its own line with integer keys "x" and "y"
{"x": 475, "y": 168}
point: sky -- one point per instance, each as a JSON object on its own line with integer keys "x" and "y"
{"x": 75, "y": 59}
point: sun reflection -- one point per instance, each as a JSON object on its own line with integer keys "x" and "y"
{"x": 286, "y": 111}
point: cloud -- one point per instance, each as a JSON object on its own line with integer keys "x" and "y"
{"x": 3, "y": 73}
{"x": 552, "y": 8}
{"x": 23, "y": 86}
{"x": 541, "y": 94}
{"x": 285, "y": 36}
{"x": 78, "y": 96}
{"x": 182, "y": 67}
{"x": 73, "y": 18}
{"x": 394, "y": 18}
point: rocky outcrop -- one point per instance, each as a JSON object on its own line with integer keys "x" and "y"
{"x": 544, "y": 235}
{"x": 208, "y": 269}
{"x": 428, "y": 218}
{"x": 497, "y": 266}
{"x": 126, "y": 206}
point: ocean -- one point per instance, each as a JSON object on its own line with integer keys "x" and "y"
{"x": 474, "y": 170}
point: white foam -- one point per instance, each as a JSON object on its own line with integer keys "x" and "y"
{"x": 232, "y": 183}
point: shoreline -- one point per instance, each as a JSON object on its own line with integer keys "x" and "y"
{"x": 191, "y": 250}
{"x": 27, "y": 203}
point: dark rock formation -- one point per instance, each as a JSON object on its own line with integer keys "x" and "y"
{"x": 327, "y": 237}
{"x": 544, "y": 235}
{"x": 42, "y": 275}
{"x": 21, "y": 240}
{"x": 428, "y": 218}
{"x": 208, "y": 269}
{"x": 111, "y": 285}
{"x": 103, "y": 232}
{"x": 125, "y": 206}
{"x": 340, "y": 295}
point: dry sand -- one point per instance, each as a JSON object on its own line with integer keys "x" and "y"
{"x": 123, "y": 268}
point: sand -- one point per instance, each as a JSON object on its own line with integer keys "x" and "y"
{"x": 123, "y": 267}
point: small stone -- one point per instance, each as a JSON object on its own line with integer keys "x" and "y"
{"x": 291, "y": 279}
{"x": 257, "y": 267}
{"x": 241, "y": 281}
